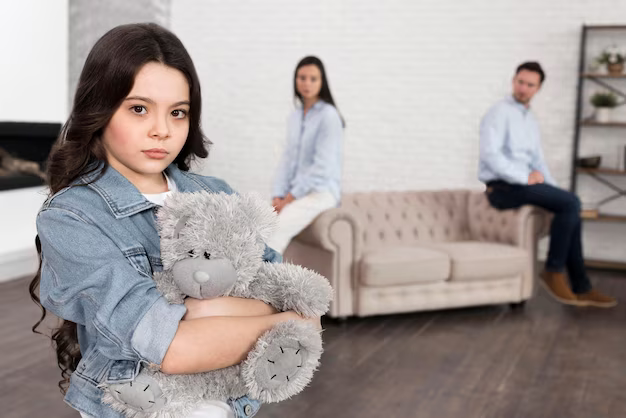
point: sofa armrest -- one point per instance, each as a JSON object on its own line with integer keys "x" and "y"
{"x": 506, "y": 227}
{"x": 518, "y": 227}
{"x": 338, "y": 233}
{"x": 322, "y": 231}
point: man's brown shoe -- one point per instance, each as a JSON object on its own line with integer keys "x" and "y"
{"x": 595, "y": 298}
{"x": 556, "y": 285}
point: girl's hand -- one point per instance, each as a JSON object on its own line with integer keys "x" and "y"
{"x": 315, "y": 321}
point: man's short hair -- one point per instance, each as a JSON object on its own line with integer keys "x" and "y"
{"x": 534, "y": 67}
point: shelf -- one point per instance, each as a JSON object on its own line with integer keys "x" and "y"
{"x": 605, "y": 27}
{"x": 603, "y": 124}
{"x": 588, "y": 216}
{"x": 604, "y": 175}
{"x": 600, "y": 170}
{"x": 592, "y": 75}
{"x": 601, "y": 264}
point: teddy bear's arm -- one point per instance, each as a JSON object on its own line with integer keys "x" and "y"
{"x": 288, "y": 287}
{"x": 166, "y": 286}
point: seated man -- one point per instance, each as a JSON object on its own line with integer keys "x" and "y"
{"x": 513, "y": 167}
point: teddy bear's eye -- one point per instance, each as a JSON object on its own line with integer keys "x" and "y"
{"x": 207, "y": 255}
{"x": 190, "y": 253}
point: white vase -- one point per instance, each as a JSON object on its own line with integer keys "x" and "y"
{"x": 603, "y": 114}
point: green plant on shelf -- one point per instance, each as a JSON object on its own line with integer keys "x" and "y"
{"x": 604, "y": 99}
{"x": 611, "y": 55}
{"x": 614, "y": 59}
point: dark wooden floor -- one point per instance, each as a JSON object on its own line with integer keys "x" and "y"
{"x": 546, "y": 360}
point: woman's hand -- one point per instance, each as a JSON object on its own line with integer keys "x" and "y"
{"x": 289, "y": 198}
{"x": 284, "y": 202}
{"x": 277, "y": 202}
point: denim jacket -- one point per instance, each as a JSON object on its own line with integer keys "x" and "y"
{"x": 100, "y": 246}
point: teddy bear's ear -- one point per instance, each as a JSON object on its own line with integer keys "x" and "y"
{"x": 260, "y": 214}
{"x": 179, "y": 207}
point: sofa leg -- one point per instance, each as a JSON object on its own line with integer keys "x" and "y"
{"x": 518, "y": 305}
{"x": 341, "y": 320}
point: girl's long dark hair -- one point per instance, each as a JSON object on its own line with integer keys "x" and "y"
{"x": 325, "y": 94}
{"x": 107, "y": 78}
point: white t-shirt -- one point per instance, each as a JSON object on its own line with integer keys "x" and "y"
{"x": 213, "y": 409}
{"x": 159, "y": 198}
{"x": 210, "y": 409}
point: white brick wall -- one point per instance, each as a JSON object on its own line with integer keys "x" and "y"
{"x": 412, "y": 80}
{"x": 89, "y": 20}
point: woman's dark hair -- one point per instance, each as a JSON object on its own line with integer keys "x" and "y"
{"x": 107, "y": 78}
{"x": 534, "y": 67}
{"x": 325, "y": 94}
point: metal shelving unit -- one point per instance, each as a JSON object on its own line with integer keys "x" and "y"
{"x": 601, "y": 174}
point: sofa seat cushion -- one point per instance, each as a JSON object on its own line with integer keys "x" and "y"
{"x": 475, "y": 260}
{"x": 404, "y": 265}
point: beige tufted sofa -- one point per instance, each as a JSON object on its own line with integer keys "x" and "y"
{"x": 389, "y": 252}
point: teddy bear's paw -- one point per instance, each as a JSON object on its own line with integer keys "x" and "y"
{"x": 283, "y": 362}
{"x": 142, "y": 394}
{"x": 294, "y": 288}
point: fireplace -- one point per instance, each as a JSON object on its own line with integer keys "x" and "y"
{"x": 24, "y": 149}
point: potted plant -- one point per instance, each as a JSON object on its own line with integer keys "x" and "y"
{"x": 603, "y": 102}
{"x": 614, "y": 60}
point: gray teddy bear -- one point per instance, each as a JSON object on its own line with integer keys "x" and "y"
{"x": 212, "y": 245}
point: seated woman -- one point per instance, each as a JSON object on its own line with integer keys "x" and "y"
{"x": 308, "y": 178}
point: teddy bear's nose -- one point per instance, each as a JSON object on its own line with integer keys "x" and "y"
{"x": 201, "y": 276}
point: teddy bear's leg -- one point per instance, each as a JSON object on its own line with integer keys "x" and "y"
{"x": 142, "y": 395}
{"x": 283, "y": 361}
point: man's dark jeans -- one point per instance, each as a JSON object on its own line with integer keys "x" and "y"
{"x": 565, "y": 233}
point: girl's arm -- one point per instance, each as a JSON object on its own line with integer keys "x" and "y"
{"x": 206, "y": 344}
{"x": 87, "y": 279}
{"x": 226, "y": 306}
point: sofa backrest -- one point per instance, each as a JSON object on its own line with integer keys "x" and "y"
{"x": 409, "y": 217}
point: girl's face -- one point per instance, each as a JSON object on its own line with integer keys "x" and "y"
{"x": 309, "y": 81}
{"x": 149, "y": 129}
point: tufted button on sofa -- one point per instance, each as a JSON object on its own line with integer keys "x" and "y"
{"x": 390, "y": 252}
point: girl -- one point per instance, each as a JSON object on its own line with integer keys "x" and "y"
{"x": 129, "y": 140}
{"x": 309, "y": 175}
